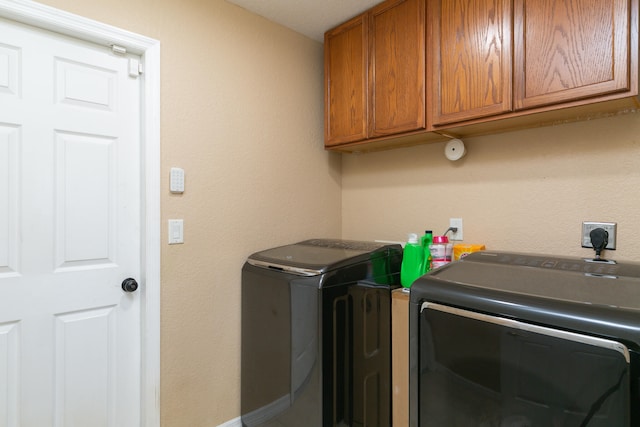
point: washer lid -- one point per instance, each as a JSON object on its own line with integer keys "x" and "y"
{"x": 316, "y": 256}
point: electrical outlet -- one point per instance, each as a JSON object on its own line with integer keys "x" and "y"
{"x": 457, "y": 223}
{"x": 610, "y": 227}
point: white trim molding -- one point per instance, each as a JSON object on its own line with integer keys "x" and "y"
{"x": 41, "y": 16}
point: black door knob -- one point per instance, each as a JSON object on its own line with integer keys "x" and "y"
{"x": 129, "y": 285}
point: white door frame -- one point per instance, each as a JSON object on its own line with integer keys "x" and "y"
{"x": 38, "y": 15}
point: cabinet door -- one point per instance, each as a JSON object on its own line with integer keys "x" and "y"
{"x": 570, "y": 49}
{"x": 469, "y": 58}
{"x": 397, "y": 67}
{"x": 345, "y": 62}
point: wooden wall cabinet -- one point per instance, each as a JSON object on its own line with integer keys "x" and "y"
{"x": 410, "y": 71}
{"x": 469, "y": 59}
{"x": 565, "y": 52}
{"x": 571, "y": 49}
{"x": 375, "y": 74}
{"x": 346, "y": 64}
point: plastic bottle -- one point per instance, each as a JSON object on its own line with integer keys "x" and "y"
{"x": 425, "y": 241}
{"x": 441, "y": 251}
{"x": 412, "y": 261}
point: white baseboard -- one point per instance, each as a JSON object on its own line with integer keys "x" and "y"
{"x": 232, "y": 423}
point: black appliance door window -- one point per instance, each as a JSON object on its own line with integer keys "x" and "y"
{"x": 481, "y": 370}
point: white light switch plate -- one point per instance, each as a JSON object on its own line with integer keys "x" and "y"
{"x": 176, "y": 231}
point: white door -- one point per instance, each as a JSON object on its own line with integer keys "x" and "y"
{"x": 69, "y": 232}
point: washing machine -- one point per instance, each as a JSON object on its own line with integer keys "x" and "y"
{"x": 316, "y": 334}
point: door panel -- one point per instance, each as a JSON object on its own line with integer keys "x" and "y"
{"x": 9, "y": 351}
{"x": 570, "y": 49}
{"x": 345, "y": 67}
{"x": 84, "y": 85}
{"x": 85, "y": 343}
{"x": 85, "y": 202}
{"x": 9, "y": 69}
{"x": 69, "y": 232}
{"x": 469, "y": 60}
{"x": 397, "y": 67}
{"x": 8, "y": 199}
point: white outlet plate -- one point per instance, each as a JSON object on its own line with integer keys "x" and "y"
{"x": 456, "y": 222}
{"x": 610, "y": 227}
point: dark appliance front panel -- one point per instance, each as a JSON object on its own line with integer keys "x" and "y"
{"x": 280, "y": 381}
{"x": 357, "y": 355}
{"x": 480, "y": 370}
{"x": 315, "y": 356}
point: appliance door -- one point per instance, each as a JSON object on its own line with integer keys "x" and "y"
{"x": 357, "y": 356}
{"x": 280, "y": 366}
{"x": 481, "y": 370}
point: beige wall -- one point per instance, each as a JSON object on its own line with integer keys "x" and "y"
{"x": 524, "y": 191}
{"x": 242, "y": 114}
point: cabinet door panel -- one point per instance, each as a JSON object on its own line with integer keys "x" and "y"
{"x": 469, "y": 59}
{"x": 345, "y": 62}
{"x": 397, "y": 67}
{"x": 569, "y": 50}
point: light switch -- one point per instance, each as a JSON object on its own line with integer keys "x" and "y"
{"x": 176, "y": 231}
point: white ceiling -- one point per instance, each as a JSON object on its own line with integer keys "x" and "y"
{"x": 309, "y": 17}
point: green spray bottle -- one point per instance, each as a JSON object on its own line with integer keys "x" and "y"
{"x": 425, "y": 241}
{"x": 412, "y": 261}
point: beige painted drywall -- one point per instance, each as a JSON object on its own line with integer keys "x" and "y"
{"x": 528, "y": 190}
{"x": 242, "y": 114}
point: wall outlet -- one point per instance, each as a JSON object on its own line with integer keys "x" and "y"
{"x": 610, "y": 227}
{"x": 457, "y": 223}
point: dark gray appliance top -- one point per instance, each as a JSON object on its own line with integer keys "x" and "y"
{"x": 541, "y": 289}
{"x": 316, "y": 256}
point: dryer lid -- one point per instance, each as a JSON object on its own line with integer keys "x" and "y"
{"x": 570, "y": 293}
